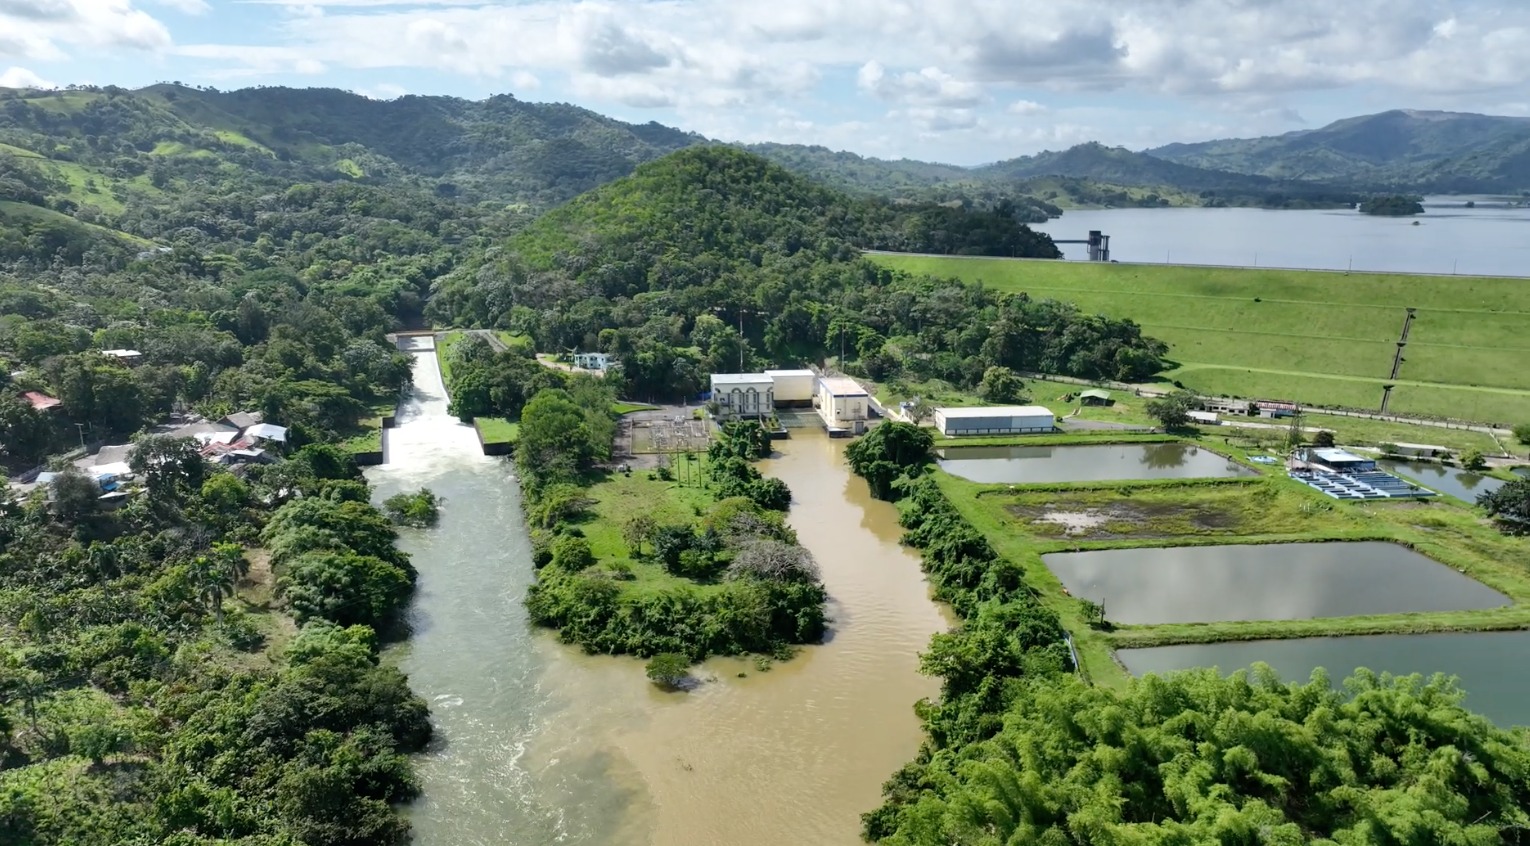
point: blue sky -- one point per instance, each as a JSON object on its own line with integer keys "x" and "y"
{"x": 962, "y": 81}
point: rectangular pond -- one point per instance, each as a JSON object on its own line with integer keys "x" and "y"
{"x": 1451, "y": 481}
{"x": 1090, "y": 463}
{"x": 1487, "y": 663}
{"x": 1290, "y": 581}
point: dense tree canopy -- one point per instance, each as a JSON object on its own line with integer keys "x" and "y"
{"x": 1196, "y": 758}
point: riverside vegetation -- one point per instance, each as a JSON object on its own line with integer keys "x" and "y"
{"x": 1020, "y": 751}
{"x": 168, "y": 682}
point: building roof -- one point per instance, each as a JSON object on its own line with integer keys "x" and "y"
{"x": 242, "y": 419}
{"x": 1338, "y": 456}
{"x": 842, "y": 386}
{"x": 740, "y": 379}
{"x": 122, "y": 353}
{"x": 40, "y": 400}
{"x": 116, "y": 468}
{"x": 201, "y": 427}
{"x": 774, "y": 373}
{"x": 997, "y": 411}
{"x": 1203, "y": 416}
{"x": 1095, "y": 393}
{"x": 267, "y": 432}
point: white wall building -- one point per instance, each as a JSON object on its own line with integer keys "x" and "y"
{"x": 743, "y": 395}
{"x": 843, "y": 404}
{"x": 995, "y": 420}
{"x": 793, "y": 387}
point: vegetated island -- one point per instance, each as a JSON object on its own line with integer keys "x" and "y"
{"x": 694, "y": 561}
{"x": 1392, "y": 205}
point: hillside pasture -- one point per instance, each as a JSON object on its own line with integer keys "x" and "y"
{"x": 1313, "y": 337}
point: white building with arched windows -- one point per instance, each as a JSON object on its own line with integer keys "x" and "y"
{"x": 743, "y": 395}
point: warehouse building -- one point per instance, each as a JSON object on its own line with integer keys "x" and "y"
{"x": 793, "y": 388}
{"x": 740, "y": 395}
{"x": 995, "y": 420}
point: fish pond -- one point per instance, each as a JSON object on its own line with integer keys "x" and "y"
{"x": 1485, "y": 662}
{"x": 1292, "y": 581}
{"x": 1451, "y": 481}
{"x": 1091, "y": 463}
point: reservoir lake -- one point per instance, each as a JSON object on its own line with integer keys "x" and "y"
{"x": 1489, "y": 240}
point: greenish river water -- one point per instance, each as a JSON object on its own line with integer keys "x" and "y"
{"x": 1287, "y": 581}
{"x": 538, "y": 743}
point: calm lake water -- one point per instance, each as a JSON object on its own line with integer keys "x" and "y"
{"x": 1296, "y": 581}
{"x": 1093, "y": 463}
{"x": 539, "y": 744}
{"x": 1461, "y": 484}
{"x": 1449, "y": 238}
{"x": 1487, "y": 663}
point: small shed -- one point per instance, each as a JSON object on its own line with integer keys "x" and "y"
{"x": 995, "y": 420}
{"x": 743, "y": 394}
{"x": 1095, "y": 396}
{"x": 793, "y": 387}
{"x": 1337, "y": 460}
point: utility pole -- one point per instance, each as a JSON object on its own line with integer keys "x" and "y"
{"x": 81, "y": 428}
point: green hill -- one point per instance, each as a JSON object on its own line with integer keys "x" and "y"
{"x": 713, "y": 259}
{"x": 1321, "y": 338}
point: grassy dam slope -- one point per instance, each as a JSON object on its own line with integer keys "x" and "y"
{"x": 1316, "y": 337}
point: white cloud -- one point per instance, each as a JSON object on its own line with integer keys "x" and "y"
{"x": 1025, "y": 107}
{"x": 14, "y": 77}
{"x": 187, "y": 7}
{"x": 35, "y": 29}
{"x": 930, "y": 86}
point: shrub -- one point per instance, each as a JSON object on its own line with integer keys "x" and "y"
{"x": 668, "y": 669}
{"x": 1522, "y": 433}
{"x": 1473, "y": 459}
{"x": 419, "y": 509}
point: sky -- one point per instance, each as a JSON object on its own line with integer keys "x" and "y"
{"x": 959, "y": 81}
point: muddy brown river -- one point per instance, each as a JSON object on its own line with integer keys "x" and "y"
{"x": 540, "y": 744}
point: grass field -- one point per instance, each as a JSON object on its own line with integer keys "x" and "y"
{"x": 619, "y": 498}
{"x": 1313, "y": 337}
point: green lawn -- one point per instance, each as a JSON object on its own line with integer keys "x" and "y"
{"x": 1314, "y": 337}
{"x": 629, "y": 407}
{"x": 620, "y": 497}
{"x": 497, "y": 430}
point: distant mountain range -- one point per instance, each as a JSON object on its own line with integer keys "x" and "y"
{"x": 92, "y": 152}
{"x": 1402, "y": 149}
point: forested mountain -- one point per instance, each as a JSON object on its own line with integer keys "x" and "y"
{"x": 1414, "y": 150}
{"x": 662, "y": 268}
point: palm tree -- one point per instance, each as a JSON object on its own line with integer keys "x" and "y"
{"x": 212, "y": 579}
{"x": 231, "y": 557}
